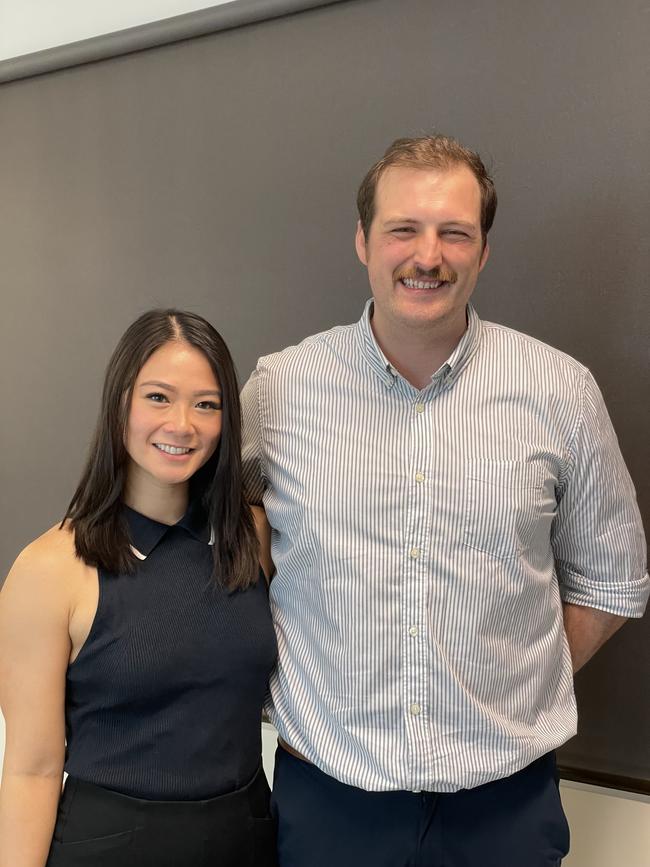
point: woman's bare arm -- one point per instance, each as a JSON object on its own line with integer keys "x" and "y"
{"x": 34, "y": 654}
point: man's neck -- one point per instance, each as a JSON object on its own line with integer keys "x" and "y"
{"x": 417, "y": 354}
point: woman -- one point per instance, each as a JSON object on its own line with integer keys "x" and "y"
{"x": 138, "y": 632}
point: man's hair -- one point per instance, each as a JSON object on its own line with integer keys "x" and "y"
{"x": 427, "y": 152}
{"x": 95, "y": 512}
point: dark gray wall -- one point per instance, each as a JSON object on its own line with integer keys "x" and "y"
{"x": 220, "y": 173}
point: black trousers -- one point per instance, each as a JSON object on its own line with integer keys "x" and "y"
{"x": 96, "y": 827}
{"x": 514, "y": 822}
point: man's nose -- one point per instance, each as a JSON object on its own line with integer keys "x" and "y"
{"x": 428, "y": 252}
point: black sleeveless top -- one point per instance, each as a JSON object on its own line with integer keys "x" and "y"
{"x": 164, "y": 700}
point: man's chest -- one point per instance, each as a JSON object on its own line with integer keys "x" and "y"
{"x": 484, "y": 469}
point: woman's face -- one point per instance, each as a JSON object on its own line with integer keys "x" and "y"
{"x": 174, "y": 420}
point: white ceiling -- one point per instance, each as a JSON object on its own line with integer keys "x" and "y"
{"x": 32, "y": 25}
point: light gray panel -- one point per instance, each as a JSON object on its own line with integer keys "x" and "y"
{"x": 152, "y": 35}
{"x": 220, "y": 174}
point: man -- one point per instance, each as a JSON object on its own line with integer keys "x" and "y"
{"x": 454, "y": 533}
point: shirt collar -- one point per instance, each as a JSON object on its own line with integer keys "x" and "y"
{"x": 456, "y": 362}
{"x": 146, "y": 533}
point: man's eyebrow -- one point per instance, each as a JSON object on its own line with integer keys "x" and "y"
{"x": 159, "y": 384}
{"x": 465, "y": 224}
{"x": 394, "y": 221}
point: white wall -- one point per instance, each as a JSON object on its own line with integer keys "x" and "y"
{"x": 32, "y": 25}
{"x": 608, "y": 829}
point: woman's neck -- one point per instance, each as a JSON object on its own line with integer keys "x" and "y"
{"x": 163, "y": 503}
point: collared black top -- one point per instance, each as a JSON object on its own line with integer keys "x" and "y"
{"x": 164, "y": 699}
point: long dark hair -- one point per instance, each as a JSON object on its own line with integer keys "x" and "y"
{"x": 95, "y": 512}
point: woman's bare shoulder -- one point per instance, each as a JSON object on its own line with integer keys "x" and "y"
{"x": 49, "y": 557}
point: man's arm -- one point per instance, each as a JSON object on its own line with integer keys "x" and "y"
{"x": 597, "y": 535}
{"x": 587, "y": 629}
{"x": 252, "y": 441}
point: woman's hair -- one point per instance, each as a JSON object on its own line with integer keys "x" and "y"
{"x": 95, "y": 512}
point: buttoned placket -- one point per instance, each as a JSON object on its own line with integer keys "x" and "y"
{"x": 416, "y": 643}
{"x": 415, "y": 413}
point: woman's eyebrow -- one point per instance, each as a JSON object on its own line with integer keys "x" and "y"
{"x": 159, "y": 384}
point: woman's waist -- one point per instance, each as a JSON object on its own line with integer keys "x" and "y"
{"x": 193, "y": 763}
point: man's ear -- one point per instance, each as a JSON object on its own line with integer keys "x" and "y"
{"x": 485, "y": 255}
{"x": 360, "y": 244}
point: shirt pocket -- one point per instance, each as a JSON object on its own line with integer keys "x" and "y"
{"x": 503, "y": 506}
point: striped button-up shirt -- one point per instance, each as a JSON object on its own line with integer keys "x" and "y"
{"x": 424, "y": 542}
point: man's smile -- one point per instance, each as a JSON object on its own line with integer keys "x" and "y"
{"x": 422, "y": 284}
{"x": 436, "y": 278}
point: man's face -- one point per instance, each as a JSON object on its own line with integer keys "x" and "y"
{"x": 424, "y": 250}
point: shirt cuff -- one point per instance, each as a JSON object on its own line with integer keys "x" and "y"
{"x": 627, "y": 599}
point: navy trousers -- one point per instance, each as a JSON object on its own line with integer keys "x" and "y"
{"x": 514, "y": 822}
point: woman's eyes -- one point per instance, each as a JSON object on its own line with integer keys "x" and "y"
{"x": 159, "y": 397}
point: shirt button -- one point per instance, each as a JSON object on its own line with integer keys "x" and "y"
{"x": 413, "y": 631}
{"x": 415, "y": 709}
{"x": 419, "y": 477}
{"x": 414, "y": 553}
{"x": 419, "y": 407}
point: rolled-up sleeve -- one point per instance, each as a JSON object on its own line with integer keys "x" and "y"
{"x": 598, "y": 540}
{"x": 252, "y": 452}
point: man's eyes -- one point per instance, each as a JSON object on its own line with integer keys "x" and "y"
{"x": 445, "y": 233}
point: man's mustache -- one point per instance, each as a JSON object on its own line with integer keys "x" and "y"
{"x": 443, "y": 275}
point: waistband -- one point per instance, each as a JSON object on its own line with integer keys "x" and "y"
{"x": 289, "y": 749}
{"x": 544, "y": 766}
{"x": 252, "y": 795}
